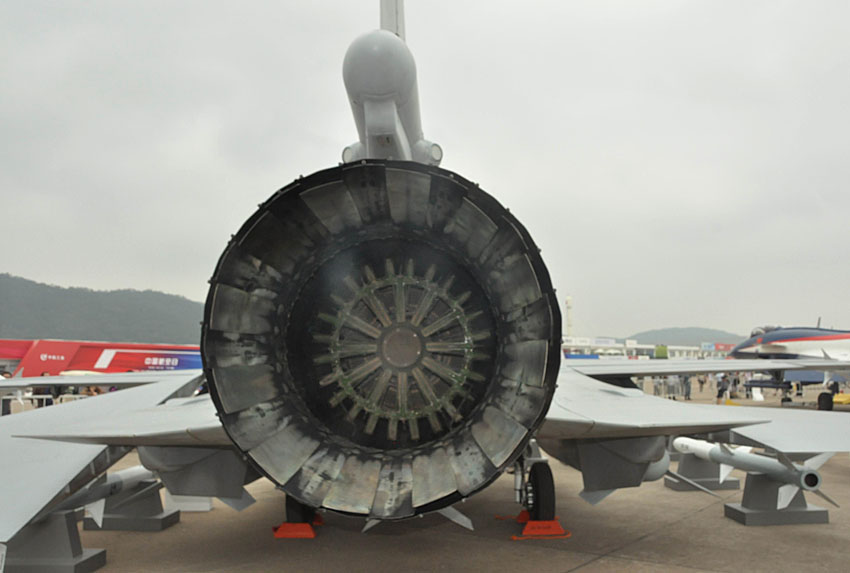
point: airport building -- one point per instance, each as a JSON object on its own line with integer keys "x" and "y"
{"x": 53, "y": 357}
{"x": 610, "y": 348}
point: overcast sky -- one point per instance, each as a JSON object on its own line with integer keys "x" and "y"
{"x": 679, "y": 163}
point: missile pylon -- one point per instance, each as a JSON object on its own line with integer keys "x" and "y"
{"x": 780, "y": 469}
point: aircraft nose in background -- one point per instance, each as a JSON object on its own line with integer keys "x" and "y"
{"x": 746, "y": 349}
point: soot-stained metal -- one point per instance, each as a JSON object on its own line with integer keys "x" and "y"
{"x": 381, "y": 338}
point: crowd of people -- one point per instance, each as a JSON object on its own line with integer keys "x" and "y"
{"x": 726, "y": 385}
{"x": 48, "y": 395}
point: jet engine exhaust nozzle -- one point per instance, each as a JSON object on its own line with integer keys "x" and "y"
{"x": 381, "y": 338}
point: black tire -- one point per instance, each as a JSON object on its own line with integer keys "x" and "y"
{"x": 297, "y": 512}
{"x": 825, "y": 401}
{"x": 542, "y": 507}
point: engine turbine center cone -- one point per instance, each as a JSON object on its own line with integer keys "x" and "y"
{"x": 401, "y": 347}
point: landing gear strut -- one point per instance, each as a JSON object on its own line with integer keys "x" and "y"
{"x": 535, "y": 491}
{"x": 297, "y": 512}
{"x": 300, "y": 519}
{"x": 540, "y": 492}
{"x": 534, "y": 485}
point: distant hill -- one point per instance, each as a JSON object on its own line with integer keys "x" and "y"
{"x": 688, "y": 336}
{"x": 34, "y": 310}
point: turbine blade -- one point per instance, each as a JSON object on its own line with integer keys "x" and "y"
{"x": 786, "y": 461}
{"x": 96, "y": 509}
{"x": 826, "y": 497}
{"x": 785, "y": 494}
{"x": 690, "y": 482}
{"x": 457, "y": 517}
{"x": 818, "y": 460}
{"x": 239, "y": 503}
{"x": 594, "y": 497}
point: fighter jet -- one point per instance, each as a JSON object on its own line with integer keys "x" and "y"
{"x": 775, "y": 342}
{"x": 382, "y": 339}
{"x": 794, "y": 342}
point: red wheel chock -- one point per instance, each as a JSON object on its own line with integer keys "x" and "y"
{"x": 522, "y": 517}
{"x": 288, "y": 530}
{"x": 542, "y": 530}
{"x": 536, "y": 529}
{"x": 298, "y": 530}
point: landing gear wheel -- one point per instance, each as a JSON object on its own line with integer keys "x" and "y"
{"x": 297, "y": 512}
{"x": 825, "y": 401}
{"x": 541, "y": 493}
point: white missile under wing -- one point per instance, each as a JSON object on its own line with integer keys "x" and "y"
{"x": 617, "y": 436}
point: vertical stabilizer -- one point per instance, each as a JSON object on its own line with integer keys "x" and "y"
{"x": 392, "y": 17}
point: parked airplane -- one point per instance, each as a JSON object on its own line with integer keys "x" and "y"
{"x": 380, "y": 339}
{"x": 776, "y": 342}
{"x": 794, "y": 342}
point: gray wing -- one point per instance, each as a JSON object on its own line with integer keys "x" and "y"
{"x": 797, "y": 431}
{"x": 585, "y": 408}
{"x": 597, "y": 368}
{"x": 191, "y": 422}
{"x": 37, "y": 474}
{"x": 122, "y": 380}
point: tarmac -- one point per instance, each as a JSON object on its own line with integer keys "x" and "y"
{"x": 650, "y": 528}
